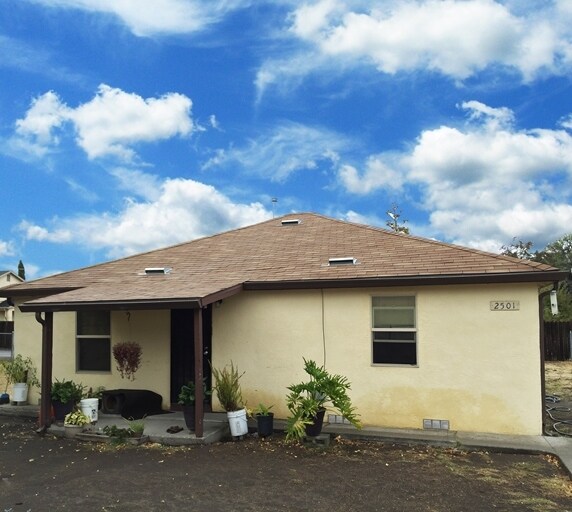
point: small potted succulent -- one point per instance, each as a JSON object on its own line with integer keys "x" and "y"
{"x": 264, "y": 420}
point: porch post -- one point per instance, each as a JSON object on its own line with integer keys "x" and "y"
{"x": 199, "y": 394}
{"x": 47, "y": 361}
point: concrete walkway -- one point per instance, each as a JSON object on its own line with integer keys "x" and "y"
{"x": 216, "y": 427}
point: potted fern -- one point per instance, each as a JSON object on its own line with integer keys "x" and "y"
{"x": 229, "y": 394}
{"x": 308, "y": 402}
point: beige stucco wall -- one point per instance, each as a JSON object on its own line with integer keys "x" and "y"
{"x": 149, "y": 328}
{"x": 477, "y": 368}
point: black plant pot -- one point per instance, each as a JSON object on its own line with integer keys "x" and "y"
{"x": 61, "y": 409}
{"x": 265, "y": 424}
{"x": 189, "y": 414}
{"x": 315, "y": 428}
{"x": 4, "y": 398}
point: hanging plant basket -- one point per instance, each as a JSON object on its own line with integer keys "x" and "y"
{"x": 127, "y": 355}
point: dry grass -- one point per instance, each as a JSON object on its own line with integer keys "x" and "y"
{"x": 559, "y": 379}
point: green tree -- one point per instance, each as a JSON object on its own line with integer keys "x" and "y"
{"x": 21, "y": 271}
{"x": 394, "y": 213}
{"x": 556, "y": 254}
{"x": 518, "y": 249}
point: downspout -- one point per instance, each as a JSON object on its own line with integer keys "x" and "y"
{"x": 199, "y": 392}
{"x": 542, "y": 361}
{"x": 47, "y": 360}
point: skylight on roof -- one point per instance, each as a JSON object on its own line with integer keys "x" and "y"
{"x": 152, "y": 271}
{"x": 342, "y": 261}
{"x": 291, "y": 222}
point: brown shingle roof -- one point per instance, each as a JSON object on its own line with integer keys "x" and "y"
{"x": 272, "y": 255}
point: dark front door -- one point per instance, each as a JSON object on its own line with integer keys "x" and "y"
{"x": 183, "y": 349}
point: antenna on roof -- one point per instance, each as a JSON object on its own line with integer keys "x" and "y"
{"x": 274, "y": 201}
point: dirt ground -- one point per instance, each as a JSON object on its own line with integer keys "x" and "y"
{"x": 50, "y": 474}
{"x": 559, "y": 378}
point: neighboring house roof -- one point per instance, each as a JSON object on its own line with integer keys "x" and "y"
{"x": 7, "y": 282}
{"x": 274, "y": 255}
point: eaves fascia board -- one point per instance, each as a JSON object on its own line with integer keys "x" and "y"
{"x": 425, "y": 280}
{"x": 119, "y": 305}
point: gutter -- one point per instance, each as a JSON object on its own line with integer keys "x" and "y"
{"x": 417, "y": 280}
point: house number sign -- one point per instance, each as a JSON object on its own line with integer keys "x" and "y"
{"x": 505, "y": 305}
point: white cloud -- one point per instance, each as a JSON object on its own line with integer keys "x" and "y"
{"x": 137, "y": 182}
{"x": 6, "y": 248}
{"x": 158, "y": 17}
{"x": 108, "y": 125}
{"x": 379, "y": 173}
{"x": 484, "y": 183}
{"x": 289, "y": 148}
{"x": 457, "y": 38}
{"x": 184, "y": 210}
{"x": 36, "y": 130}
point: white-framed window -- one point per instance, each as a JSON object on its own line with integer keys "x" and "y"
{"x": 93, "y": 341}
{"x": 394, "y": 331}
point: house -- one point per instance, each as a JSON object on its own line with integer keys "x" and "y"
{"x": 7, "y": 278}
{"x": 423, "y": 330}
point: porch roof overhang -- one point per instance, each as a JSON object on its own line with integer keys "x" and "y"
{"x": 39, "y": 306}
{"x": 45, "y": 304}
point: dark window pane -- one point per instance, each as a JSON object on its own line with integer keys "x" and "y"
{"x": 93, "y": 322}
{"x": 394, "y": 353}
{"x": 394, "y": 336}
{"x": 94, "y": 354}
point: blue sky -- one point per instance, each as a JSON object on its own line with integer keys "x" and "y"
{"x": 127, "y": 125}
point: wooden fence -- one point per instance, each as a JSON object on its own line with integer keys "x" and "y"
{"x": 557, "y": 341}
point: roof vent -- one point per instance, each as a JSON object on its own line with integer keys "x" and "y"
{"x": 342, "y": 261}
{"x": 291, "y": 222}
{"x": 153, "y": 271}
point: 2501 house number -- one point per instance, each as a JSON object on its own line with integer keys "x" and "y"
{"x": 505, "y": 305}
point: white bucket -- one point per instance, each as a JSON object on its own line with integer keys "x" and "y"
{"x": 20, "y": 392}
{"x": 89, "y": 407}
{"x": 237, "y": 422}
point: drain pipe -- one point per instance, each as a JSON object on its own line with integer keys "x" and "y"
{"x": 542, "y": 361}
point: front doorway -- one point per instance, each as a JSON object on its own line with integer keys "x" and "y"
{"x": 183, "y": 351}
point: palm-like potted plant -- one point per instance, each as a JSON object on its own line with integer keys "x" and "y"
{"x": 21, "y": 373}
{"x": 229, "y": 394}
{"x": 65, "y": 396}
{"x": 308, "y": 402}
{"x": 187, "y": 398}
